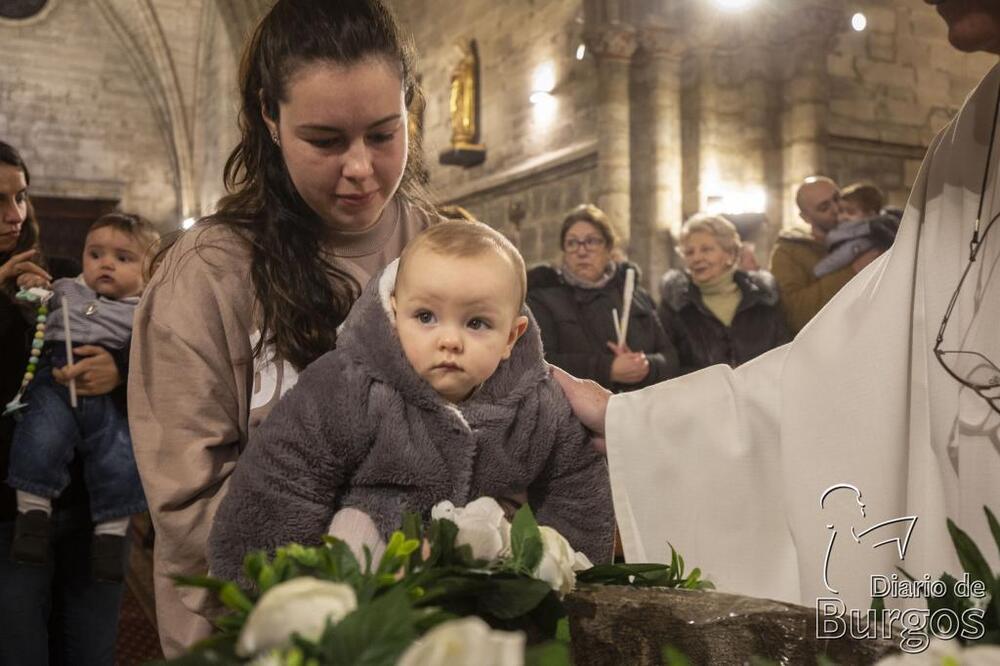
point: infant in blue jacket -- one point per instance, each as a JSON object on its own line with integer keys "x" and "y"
{"x": 100, "y": 304}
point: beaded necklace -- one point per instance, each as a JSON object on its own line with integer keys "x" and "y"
{"x": 40, "y": 296}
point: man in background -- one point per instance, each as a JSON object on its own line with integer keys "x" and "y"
{"x": 800, "y": 248}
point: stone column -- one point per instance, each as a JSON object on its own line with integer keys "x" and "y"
{"x": 805, "y": 93}
{"x": 612, "y": 47}
{"x": 656, "y": 151}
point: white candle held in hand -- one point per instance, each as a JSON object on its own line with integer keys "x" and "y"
{"x": 627, "y": 304}
{"x": 69, "y": 351}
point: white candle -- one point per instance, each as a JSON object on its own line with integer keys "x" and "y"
{"x": 627, "y": 304}
{"x": 69, "y": 351}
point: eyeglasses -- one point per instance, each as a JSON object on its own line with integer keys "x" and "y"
{"x": 970, "y": 368}
{"x": 590, "y": 242}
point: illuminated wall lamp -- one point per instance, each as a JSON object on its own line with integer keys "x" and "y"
{"x": 737, "y": 201}
{"x": 541, "y": 97}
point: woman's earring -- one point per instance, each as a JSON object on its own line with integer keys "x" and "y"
{"x": 274, "y": 137}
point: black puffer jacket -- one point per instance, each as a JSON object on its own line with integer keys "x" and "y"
{"x": 702, "y": 340}
{"x": 576, "y": 326}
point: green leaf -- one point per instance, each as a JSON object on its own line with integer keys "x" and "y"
{"x": 552, "y": 653}
{"x": 206, "y": 582}
{"x": 617, "y": 574}
{"x": 562, "y": 630}
{"x": 525, "y": 540}
{"x": 442, "y": 537}
{"x": 970, "y": 556}
{"x": 994, "y": 526}
{"x": 508, "y": 598}
{"x": 375, "y": 634}
{"x": 674, "y": 657}
{"x": 233, "y": 597}
{"x": 266, "y": 578}
{"x": 413, "y": 528}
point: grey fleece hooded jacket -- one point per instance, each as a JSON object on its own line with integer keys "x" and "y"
{"x": 361, "y": 429}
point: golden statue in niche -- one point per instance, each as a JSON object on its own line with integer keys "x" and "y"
{"x": 463, "y": 96}
{"x": 463, "y": 108}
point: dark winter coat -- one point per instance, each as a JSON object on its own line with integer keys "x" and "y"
{"x": 702, "y": 340}
{"x": 576, "y": 326}
{"x": 361, "y": 429}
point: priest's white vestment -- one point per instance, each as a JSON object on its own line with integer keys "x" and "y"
{"x": 729, "y": 465}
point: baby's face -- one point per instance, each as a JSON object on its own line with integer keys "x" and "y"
{"x": 851, "y": 211}
{"x": 112, "y": 263}
{"x": 457, "y": 318}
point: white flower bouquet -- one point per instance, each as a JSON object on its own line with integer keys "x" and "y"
{"x": 477, "y": 592}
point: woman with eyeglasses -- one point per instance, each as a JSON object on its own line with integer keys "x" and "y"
{"x": 576, "y": 305}
{"x": 712, "y": 311}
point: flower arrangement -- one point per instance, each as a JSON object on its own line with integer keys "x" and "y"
{"x": 469, "y": 588}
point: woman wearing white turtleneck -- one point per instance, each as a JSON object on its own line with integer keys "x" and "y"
{"x": 712, "y": 312}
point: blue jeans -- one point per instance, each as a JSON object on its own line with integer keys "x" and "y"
{"x": 57, "y": 614}
{"x": 51, "y": 432}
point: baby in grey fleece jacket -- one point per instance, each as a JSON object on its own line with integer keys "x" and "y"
{"x": 437, "y": 391}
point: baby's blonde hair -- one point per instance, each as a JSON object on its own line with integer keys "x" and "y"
{"x": 458, "y": 238}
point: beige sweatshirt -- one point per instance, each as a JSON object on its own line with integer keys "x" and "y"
{"x": 195, "y": 393}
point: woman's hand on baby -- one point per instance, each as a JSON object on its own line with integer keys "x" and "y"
{"x": 629, "y": 367}
{"x": 23, "y": 271}
{"x": 589, "y": 402}
{"x": 95, "y": 374}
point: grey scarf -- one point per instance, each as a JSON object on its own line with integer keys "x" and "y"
{"x": 575, "y": 281}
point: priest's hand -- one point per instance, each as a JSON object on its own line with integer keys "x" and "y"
{"x": 589, "y": 402}
{"x": 95, "y": 373}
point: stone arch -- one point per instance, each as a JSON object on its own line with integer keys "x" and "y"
{"x": 144, "y": 45}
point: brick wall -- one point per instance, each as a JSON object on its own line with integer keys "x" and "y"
{"x": 892, "y": 88}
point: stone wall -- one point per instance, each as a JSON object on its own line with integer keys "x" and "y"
{"x": 892, "y": 88}
{"x": 217, "y": 107}
{"x": 137, "y": 101}
{"x": 73, "y": 105}
{"x": 539, "y": 157}
{"x": 766, "y": 99}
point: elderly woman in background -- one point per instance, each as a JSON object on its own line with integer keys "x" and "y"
{"x": 574, "y": 306}
{"x": 712, "y": 311}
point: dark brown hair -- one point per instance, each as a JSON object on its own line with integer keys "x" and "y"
{"x": 865, "y": 195}
{"x": 593, "y": 215}
{"x": 28, "y": 237}
{"x": 302, "y": 296}
{"x": 136, "y": 226}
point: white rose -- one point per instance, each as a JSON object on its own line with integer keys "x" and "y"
{"x": 465, "y": 641}
{"x": 559, "y": 562}
{"x": 481, "y": 525}
{"x": 301, "y": 605}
